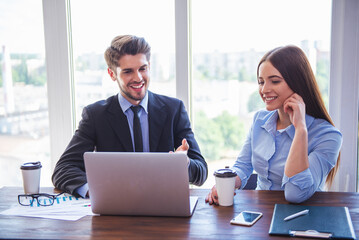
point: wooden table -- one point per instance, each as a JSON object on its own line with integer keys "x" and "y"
{"x": 207, "y": 222}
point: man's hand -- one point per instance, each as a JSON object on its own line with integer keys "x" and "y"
{"x": 183, "y": 148}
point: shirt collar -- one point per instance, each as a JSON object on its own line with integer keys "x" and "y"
{"x": 271, "y": 124}
{"x": 125, "y": 104}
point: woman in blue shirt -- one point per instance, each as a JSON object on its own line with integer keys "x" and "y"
{"x": 293, "y": 144}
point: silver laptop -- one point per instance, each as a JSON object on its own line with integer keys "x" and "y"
{"x": 146, "y": 184}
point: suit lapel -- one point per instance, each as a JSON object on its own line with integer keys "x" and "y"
{"x": 119, "y": 124}
{"x": 157, "y": 116}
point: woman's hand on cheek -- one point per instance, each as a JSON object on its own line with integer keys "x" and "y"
{"x": 294, "y": 106}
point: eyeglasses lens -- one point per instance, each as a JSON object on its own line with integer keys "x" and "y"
{"x": 45, "y": 200}
{"x": 26, "y": 200}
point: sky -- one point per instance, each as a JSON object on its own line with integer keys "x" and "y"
{"x": 217, "y": 25}
{"x": 259, "y": 24}
{"x": 21, "y": 26}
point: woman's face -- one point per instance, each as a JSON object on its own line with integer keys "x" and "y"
{"x": 273, "y": 89}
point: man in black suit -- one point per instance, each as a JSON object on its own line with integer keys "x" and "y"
{"x": 107, "y": 125}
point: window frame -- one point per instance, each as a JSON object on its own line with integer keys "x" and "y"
{"x": 59, "y": 75}
{"x": 344, "y": 87}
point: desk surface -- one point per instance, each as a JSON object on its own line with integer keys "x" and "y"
{"x": 207, "y": 222}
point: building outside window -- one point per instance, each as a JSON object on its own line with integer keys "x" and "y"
{"x": 24, "y": 123}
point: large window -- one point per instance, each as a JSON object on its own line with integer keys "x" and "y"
{"x": 24, "y": 124}
{"x": 228, "y": 40}
{"x": 93, "y": 30}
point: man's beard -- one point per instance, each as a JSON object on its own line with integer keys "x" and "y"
{"x": 136, "y": 97}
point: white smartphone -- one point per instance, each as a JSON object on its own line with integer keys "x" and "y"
{"x": 246, "y": 218}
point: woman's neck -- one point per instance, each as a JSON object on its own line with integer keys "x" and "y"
{"x": 283, "y": 120}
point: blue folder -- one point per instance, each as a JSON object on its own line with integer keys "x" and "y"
{"x": 320, "y": 222}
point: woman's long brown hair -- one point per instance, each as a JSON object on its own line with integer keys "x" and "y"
{"x": 295, "y": 68}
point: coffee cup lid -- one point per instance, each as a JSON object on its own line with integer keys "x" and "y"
{"x": 31, "y": 165}
{"x": 225, "y": 173}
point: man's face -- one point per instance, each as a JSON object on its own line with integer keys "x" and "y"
{"x": 133, "y": 77}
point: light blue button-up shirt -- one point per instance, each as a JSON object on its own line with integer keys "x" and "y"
{"x": 266, "y": 150}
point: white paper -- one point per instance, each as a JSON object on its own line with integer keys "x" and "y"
{"x": 66, "y": 207}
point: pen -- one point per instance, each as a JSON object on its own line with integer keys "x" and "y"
{"x": 296, "y": 215}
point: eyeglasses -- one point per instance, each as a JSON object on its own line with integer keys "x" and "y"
{"x": 43, "y": 199}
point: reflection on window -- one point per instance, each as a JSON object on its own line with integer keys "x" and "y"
{"x": 229, "y": 39}
{"x": 24, "y": 128}
{"x": 153, "y": 20}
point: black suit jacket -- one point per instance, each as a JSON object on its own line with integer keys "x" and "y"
{"x": 104, "y": 128}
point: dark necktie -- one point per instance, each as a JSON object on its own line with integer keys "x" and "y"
{"x": 137, "y": 132}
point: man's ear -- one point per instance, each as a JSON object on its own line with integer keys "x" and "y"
{"x": 112, "y": 74}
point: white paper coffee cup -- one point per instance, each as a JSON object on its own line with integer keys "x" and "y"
{"x": 225, "y": 184}
{"x": 31, "y": 177}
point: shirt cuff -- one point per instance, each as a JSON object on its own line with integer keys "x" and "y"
{"x": 83, "y": 190}
{"x": 302, "y": 180}
{"x": 242, "y": 176}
